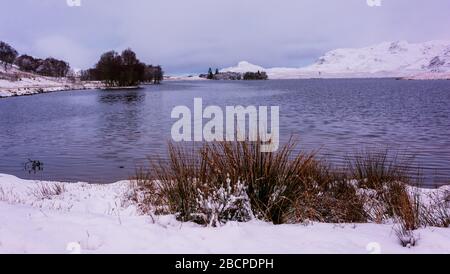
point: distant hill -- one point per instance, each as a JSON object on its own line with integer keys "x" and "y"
{"x": 389, "y": 59}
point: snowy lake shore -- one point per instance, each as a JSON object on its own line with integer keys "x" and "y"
{"x": 89, "y": 218}
{"x": 18, "y": 83}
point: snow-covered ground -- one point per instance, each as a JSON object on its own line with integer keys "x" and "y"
{"x": 428, "y": 60}
{"x": 15, "y": 83}
{"x": 91, "y": 218}
{"x": 188, "y": 77}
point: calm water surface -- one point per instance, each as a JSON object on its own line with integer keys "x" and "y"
{"x": 102, "y": 136}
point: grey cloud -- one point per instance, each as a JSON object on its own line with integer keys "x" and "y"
{"x": 191, "y": 35}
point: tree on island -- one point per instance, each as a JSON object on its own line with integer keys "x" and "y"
{"x": 108, "y": 68}
{"x": 217, "y": 71}
{"x": 7, "y": 54}
{"x": 210, "y": 74}
{"x": 259, "y": 75}
{"x": 89, "y": 75}
{"x": 125, "y": 69}
{"x": 159, "y": 75}
{"x": 120, "y": 70}
{"x": 153, "y": 74}
{"x": 132, "y": 69}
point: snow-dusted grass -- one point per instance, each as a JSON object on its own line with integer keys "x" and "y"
{"x": 226, "y": 181}
{"x": 96, "y": 218}
{"x": 225, "y": 185}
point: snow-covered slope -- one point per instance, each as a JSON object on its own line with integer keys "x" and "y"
{"x": 14, "y": 82}
{"x": 389, "y": 59}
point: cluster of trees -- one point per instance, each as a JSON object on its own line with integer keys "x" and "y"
{"x": 113, "y": 69}
{"x": 125, "y": 69}
{"x": 47, "y": 67}
{"x": 211, "y": 75}
{"x": 259, "y": 75}
{"x": 7, "y": 54}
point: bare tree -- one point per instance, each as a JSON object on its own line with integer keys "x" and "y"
{"x": 27, "y": 63}
{"x": 7, "y": 54}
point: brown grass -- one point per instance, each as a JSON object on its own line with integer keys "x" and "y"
{"x": 274, "y": 180}
{"x": 177, "y": 181}
{"x": 375, "y": 169}
{"x": 404, "y": 205}
{"x": 47, "y": 191}
{"x": 437, "y": 212}
{"x": 223, "y": 181}
{"x": 280, "y": 187}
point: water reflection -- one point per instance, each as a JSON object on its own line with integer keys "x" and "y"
{"x": 119, "y": 127}
{"x": 119, "y": 97}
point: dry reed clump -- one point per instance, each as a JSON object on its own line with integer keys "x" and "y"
{"x": 377, "y": 169}
{"x": 437, "y": 211}
{"x": 226, "y": 181}
{"x": 273, "y": 180}
{"x": 328, "y": 195}
{"x": 386, "y": 179}
{"x": 47, "y": 191}
{"x": 236, "y": 181}
{"x": 188, "y": 186}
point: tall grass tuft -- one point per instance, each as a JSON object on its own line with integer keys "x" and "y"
{"x": 179, "y": 179}
{"x": 224, "y": 181}
{"x": 236, "y": 181}
{"x": 274, "y": 180}
{"x": 375, "y": 169}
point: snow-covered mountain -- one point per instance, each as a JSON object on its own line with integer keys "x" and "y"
{"x": 388, "y": 59}
{"x": 243, "y": 67}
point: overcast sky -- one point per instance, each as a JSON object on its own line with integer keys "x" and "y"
{"x": 191, "y": 35}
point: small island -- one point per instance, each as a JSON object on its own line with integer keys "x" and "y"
{"x": 228, "y": 75}
{"x": 116, "y": 70}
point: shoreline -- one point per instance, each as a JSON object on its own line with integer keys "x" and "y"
{"x": 79, "y": 214}
{"x": 30, "y": 91}
{"x": 35, "y": 90}
{"x": 8, "y": 92}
